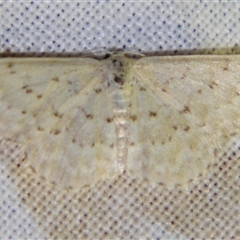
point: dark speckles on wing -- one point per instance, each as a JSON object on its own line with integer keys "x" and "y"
{"x": 40, "y": 129}
{"x": 109, "y": 120}
{"x": 212, "y": 85}
{"x": 152, "y": 114}
{"x": 89, "y": 116}
{"x": 183, "y": 76}
{"x": 56, "y": 114}
{"x": 9, "y": 65}
{"x": 98, "y": 90}
{"x": 133, "y": 118}
{"x": 29, "y": 91}
{"x": 142, "y": 89}
{"x": 164, "y": 90}
{"x": 55, "y": 79}
{"x": 119, "y": 80}
{"x": 111, "y": 145}
{"x": 186, "y": 109}
{"x": 55, "y": 132}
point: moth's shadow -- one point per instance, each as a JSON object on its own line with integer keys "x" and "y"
{"x": 100, "y": 53}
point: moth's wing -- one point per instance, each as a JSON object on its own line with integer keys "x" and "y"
{"x": 184, "y": 111}
{"x": 57, "y": 109}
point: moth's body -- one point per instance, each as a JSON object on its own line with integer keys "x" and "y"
{"x": 84, "y": 120}
{"x": 119, "y": 86}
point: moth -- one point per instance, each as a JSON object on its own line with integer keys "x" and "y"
{"x": 82, "y": 120}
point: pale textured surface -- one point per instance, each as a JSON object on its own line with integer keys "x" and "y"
{"x": 123, "y": 208}
{"x": 30, "y": 208}
{"x": 80, "y": 121}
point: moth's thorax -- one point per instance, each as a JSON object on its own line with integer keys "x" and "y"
{"x": 119, "y": 78}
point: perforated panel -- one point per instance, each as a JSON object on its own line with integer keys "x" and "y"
{"x": 137, "y": 26}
